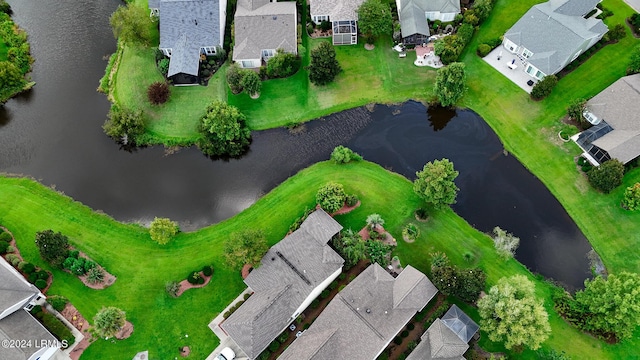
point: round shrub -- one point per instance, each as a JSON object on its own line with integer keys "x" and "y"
{"x": 37, "y": 311}
{"x": 274, "y": 346}
{"x": 543, "y": 88}
{"x": 246, "y": 296}
{"x": 325, "y": 26}
{"x": 324, "y": 294}
{"x": 483, "y": 50}
{"x": 342, "y": 276}
{"x": 331, "y": 197}
{"x": 6, "y": 237}
{"x": 306, "y": 326}
{"x": 631, "y": 197}
{"x": 158, "y": 93}
{"x": 397, "y": 340}
{"x": 607, "y": 176}
{"x": 342, "y": 287}
{"x": 351, "y": 200}
{"x": 193, "y": 278}
{"x": 411, "y": 326}
{"x": 343, "y": 155}
{"x": 3, "y": 247}
{"x": 10, "y": 249}
{"x": 41, "y": 274}
{"x": 163, "y": 66}
{"x": 68, "y": 263}
{"x": 13, "y": 259}
{"x": 57, "y": 302}
{"x": 95, "y": 275}
{"x": 200, "y": 280}
{"x": 28, "y": 268}
{"x": 207, "y": 270}
{"x": 40, "y": 284}
{"x": 74, "y": 254}
{"x": 421, "y": 213}
{"x": 88, "y": 265}
{"x": 404, "y": 333}
{"x": 315, "y": 303}
{"x": 410, "y": 231}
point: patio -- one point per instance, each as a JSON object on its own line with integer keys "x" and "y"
{"x": 426, "y": 56}
{"x": 502, "y": 60}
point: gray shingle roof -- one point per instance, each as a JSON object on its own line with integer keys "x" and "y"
{"x": 185, "y": 57}
{"x": 573, "y": 7}
{"x": 412, "y": 18}
{"x": 619, "y": 106}
{"x": 288, "y": 273}
{"x": 271, "y": 26}
{"x": 21, "y": 325}
{"x": 154, "y": 4}
{"x": 460, "y": 323}
{"x": 336, "y": 9}
{"x": 555, "y": 36}
{"x": 439, "y": 342}
{"x": 364, "y": 317}
{"x": 198, "y": 19}
{"x": 13, "y": 287}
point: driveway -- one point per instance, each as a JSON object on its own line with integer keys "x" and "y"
{"x": 635, "y": 4}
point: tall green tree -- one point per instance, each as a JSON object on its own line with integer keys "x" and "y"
{"x": 11, "y": 80}
{"x": 124, "y": 125}
{"x": 331, "y": 197}
{"x": 435, "y": 183}
{"x": 611, "y": 306}
{"x": 512, "y": 314}
{"x": 246, "y": 247}
{"x": 323, "y": 67}
{"x": 450, "y": 84}
{"x": 634, "y": 60}
{"x": 351, "y": 247}
{"x": 223, "y": 131}
{"x": 250, "y": 82}
{"x": 131, "y": 24}
{"x": 374, "y": 19}
{"x": 631, "y": 197}
{"x": 377, "y": 251}
{"x": 505, "y": 243}
{"x": 53, "y": 247}
{"x": 162, "y": 230}
{"x": 108, "y": 321}
{"x": 607, "y": 176}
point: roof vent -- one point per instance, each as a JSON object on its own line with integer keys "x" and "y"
{"x": 275, "y": 18}
{"x": 196, "y": 21}
{"x": 273, "y": 259}
{"x": 368, "y": 311}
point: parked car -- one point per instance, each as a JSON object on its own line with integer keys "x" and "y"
{"x": 226, "y": 354}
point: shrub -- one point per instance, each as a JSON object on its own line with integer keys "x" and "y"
{"x": 10, "y": 249}
{"x": 575, "y": 111}
{"x": 53, "y": 247}
{"x": 483, "y": 50}
{"x": 246, "y": 296}
{"x": 323, "y": 67}
{"x": 397, "y": 340}
{"x": 234, "y": 77}
{"x": 617, "y": 32}
{"x": 172, "y": 288}
{"x": 421, "y": 213}
{"x": 283, "y": 337}
{"x": 40, "y": 284}
{"x": 57, "y": 328}
{"x": 57, "y": 302}
{"x": 158, "y": 93}
{"x": 410, "y": 231}
{"x": 95, "y": 275}
{"x": 74, "y": 254}
{"x": 411, "y": 326}
{"x": 631, "y": 197}
{"x": 250, "y": 82}
{"x": 634, "y": 60}
{"x": 324, "y": 294}
{"x": 264, "y": 355}
{"x": 37, "y": 311}
{"x": 607, "y": 176}
{"x": 3, "y": 247}
{"x": 88, "y": 265}
{"x": 333, "y": 285}
{"x": 404, "y": 333}
{"x": 315, "y": 303}
{"x": 6, "y": 237}
{"x": 543, "y": 88}
{"x": 5, "y": 7}
{"x": 465, "y": 32}
{"x": 341, "y": 287}
{"x": 342, "y": 276}
{"x": 193, "y": 278}
{"x": 505, "y": 243}
{"x": 351, "y": 200}
{"x": 163, "y": 66}
{"x": 162, "y": 230}
{"x": 28, "y": 268}
{"x": 223, "y": 131}
{"x": 282, "y": 64}
{"x": 331, "y": 197}
{"x": 13, "y": 259}
{"x": 343, "y": 155}
{"x": 325, "y": 26}
{"x": 41, "y": 274}
{"x": 124, "y": 125}
{"x": 274, "y": 346}
{"x": 207, "y": 270}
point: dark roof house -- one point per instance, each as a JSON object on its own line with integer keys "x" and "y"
{"x": 447, "y": 338}
{"x": 616, "y": 113}
{"x": 17, "y": 296}
{"x": 414, "y": 14}
{"x": 261, "y": 28}
{"x": 189, "y": 28}
{"x": 364, "y": 317}
{"x": 291, "y": 275}
{"x": 552, "y": 34}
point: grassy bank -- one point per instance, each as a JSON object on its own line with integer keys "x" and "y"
{"x": 143, "y": 267}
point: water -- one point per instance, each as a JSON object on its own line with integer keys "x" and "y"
{"x": 53, "y": 134}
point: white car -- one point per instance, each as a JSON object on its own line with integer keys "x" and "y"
{"x": 226, "y": 354}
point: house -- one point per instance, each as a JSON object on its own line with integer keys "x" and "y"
{"x": 291, "y": 275}
{"x": 363, "y": 318}
{"x": 189, "y": 28}
{"x": 446, "y": 338}
{"x": 17, "y": 297}
{"x": 553, "y": 34}
{"x": 261, "y": 28}
{"x": 343, "y": 15}
{"x": 414, "y": 14}
{"x": 615, "y": 113}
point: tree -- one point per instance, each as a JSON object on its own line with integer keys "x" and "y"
{"x": 576, "y": 109}
{"x": 124, "y": 125}
{"x": 162, "y": 230}
{"x": 374, "y": 19}
{"x": 331, "y": 197}
{"x": 5, "y": 7}
{"x": 323, "y": 67}
{"x": 234, "y": 77}
{"x": 617, "y": 32}
{"x": 511, "y": 313}
{"x": 158, "y": 92}
{"x": 634, "y": 60}
{"x": 482, "y": 9}
{"x": 108, "y": 321}
{"x": 465, "y": 284}
{"x": 505, "y": 243}
{"x": 246, "y": 247}
{"x": 377, "y": 251}
{"x": 374, "y": 221}
{"x": 435, "y": 185}
{"x": 631, "y": 197}
{"x": 448, "y": 49}
{"x": 282, "y": 64}
{"x": 611, "y": 306}
{"x": 351, "y": 247}
{"x": 131, "y": 24}
{"x": 223, "y": 131}
{"x": 607, "y": 176}
{"x": 250, "y": 82}
{"x": 53, "y": 247}
{"x": 10, "y": 77}
{"x": 343, "y": 155}
{"x": 449, "y": 86}
{"x": 543, "y": 88}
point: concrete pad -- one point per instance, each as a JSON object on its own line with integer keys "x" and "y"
{"x": 635, "y": 4}
{"x": 502, "y": 60}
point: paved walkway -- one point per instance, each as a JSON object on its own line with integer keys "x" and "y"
{"x": 74, "y": 351}
{"x": 225, "y": 340}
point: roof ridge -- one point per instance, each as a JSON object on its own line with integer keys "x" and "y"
{"x": 415, "y": 284}
{"x": 364, "y": 320}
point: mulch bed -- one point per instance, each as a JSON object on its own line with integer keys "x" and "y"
{"x": 185, "y": 285}
{"x": 125, "y": 332}
{"x": 389, "y": 240}
{"x": 79, "y": 322}
{"x": 346, "y": 209}
{"x": 17, "y": 253}
{"x": 185, "y": 351}
{"x": 105, "y": 283}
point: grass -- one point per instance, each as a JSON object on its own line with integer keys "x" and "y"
{"x": 143, "y": 267}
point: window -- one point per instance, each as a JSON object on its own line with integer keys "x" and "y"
{"x": 29, "y": 306}
{"x": 247, "y": 63}
{"x": 209, "y": 50}
{"x": 268, "y": 53}
{"x": 167, "y": 52}
{"x": 529, "y": 69}
{"x": 320, "y": 18}
{"x": 539, "y": 74}
{"x": 576, "y": 55}
{"x": 526, "y": 53}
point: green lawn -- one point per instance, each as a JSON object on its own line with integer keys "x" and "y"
{"x": 143, "y": 267}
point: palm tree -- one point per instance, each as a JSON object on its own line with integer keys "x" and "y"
{"x": 374, "y": 220}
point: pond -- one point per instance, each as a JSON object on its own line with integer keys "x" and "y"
{"x": 53, "y": 134}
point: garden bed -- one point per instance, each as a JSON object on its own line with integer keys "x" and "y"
{"x": 34, "y": 276}
{"x": 107, "y": 280}
{"x": 186, "y": 285}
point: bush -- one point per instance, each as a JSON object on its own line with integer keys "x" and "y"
{"x": 634, "y": 61}
{"x": 325, "y": 26}
{"x": 483, "y": 50}
{"x": 324, "y": 294}
{"x": 193, "y": 278}
{"x": 421, "y": 213}
{"x": 6, "y": 237}
{"x": 410, "y": 231}
{"x": 95, "y": 275}
{"x": 343, "y": 155}
{"x": 404, "y": 334}
{"x": 342, "y": 276}
{"x": 27, "y": 268}
{"x": 10, "y": 249}
{"x": 13, "y": 259}
{"x": 397, "y": 340}
{"x": 74, "y": 254}
{"x": 158, "y": 93}
{"x": 465, "y": 32}
{"x": 3, "y": 247}
{"x": 331, "y": 197}
{"x": 172, "y": 288}
{"x": 274, "y": 346}
{"x": 40, "y": 284}
{"x": 607, "y": 176}
{"x": 234, "y": 78}
{"x": 575, "y": 111}
{"x": 163, "y": 66}
{"x": 57, "y": 302}
{"x": 315, "y": 303}
{"x": 283, "y": 64}
{"x": 5, "y": 7}
{"x": 544, "y": 87}
{"x": 207, "y": 270}
{"x": 617, "y": 33}
{"x": 53, "y": 247}
{"x": 631, "y": 197}
{"x": 411, "y": 326}
{"x": 124, "y": 125}
{"x": 250, "y": 82}
{"x": 283, "y": 337}
{"x": 41, "y": 274}
{"x": 505, "y": 243}
{"x": 323, "y": 67}
{"x": 88, "y": 265}
{"x": 351, "y": 200}
{"x": 57, "y": 328}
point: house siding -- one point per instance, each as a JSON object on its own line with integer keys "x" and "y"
{"x": 437, "y": 15}
{"x": 250, "y": 63}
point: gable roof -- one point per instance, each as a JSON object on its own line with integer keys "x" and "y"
{"x": 443, "y": 6}
{"x": 554, "y": 31}
{"x": 270, "y": 26}
{"x": 336, "y": 9}
{"x": 288, "y": 273}
{"x": 363, "y": 318}
{"x": 412, "y": 18}
{"x": 13, "y": 287}
{"x": 619, "y": 106}
{"x": 460, "y": 323}
{"x": 199, "y": 20}
{"x": 185, "y": 57}
{"x": 21, "y": 325}
{"x": 439, "y": 342}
